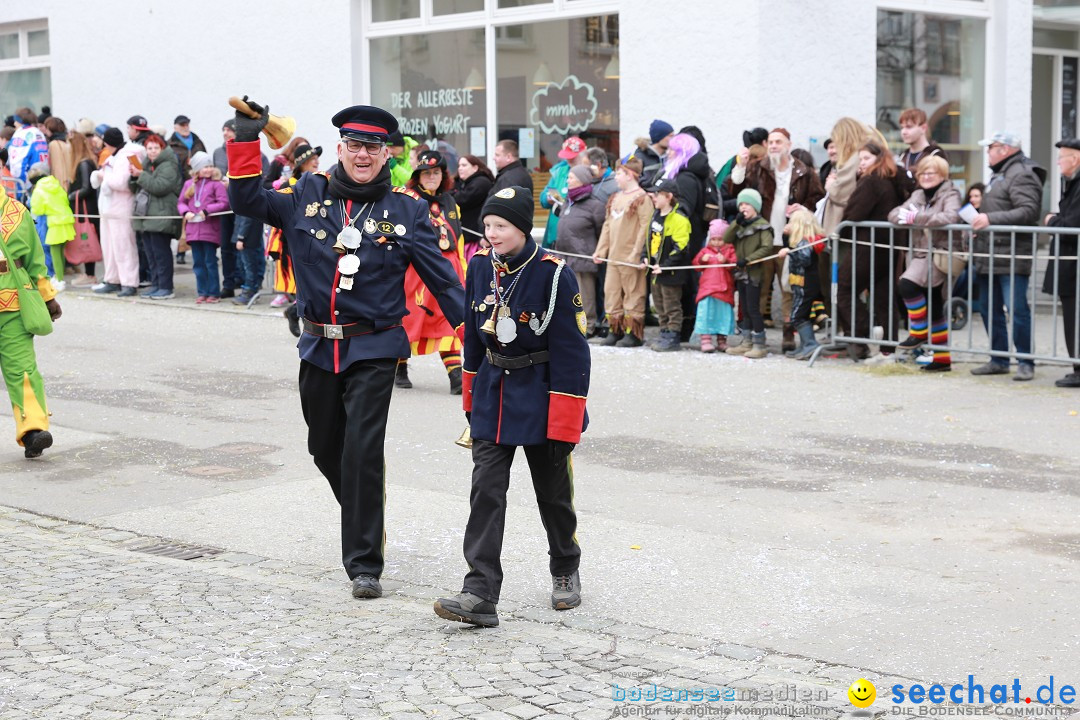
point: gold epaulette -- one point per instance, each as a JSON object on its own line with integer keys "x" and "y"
{"x": 406, "y": 191}
{"x": 483, "y": 251}
{"x": 552, "y": 258}
{"x": 285, "y": 190}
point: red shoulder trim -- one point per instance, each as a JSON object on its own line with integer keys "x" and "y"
{"x": 406, "y": 191}
{"x": 552, "y": 258}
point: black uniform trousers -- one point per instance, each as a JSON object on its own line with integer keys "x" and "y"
{"x": 554, "y": 487}
{"x": 346, "y": 419}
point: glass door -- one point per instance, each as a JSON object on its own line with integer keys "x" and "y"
{"x": 1055, "y": 111}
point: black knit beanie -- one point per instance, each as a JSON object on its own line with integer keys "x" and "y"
{"x": 513, "y": 204}
{"x": 114, "y": 138}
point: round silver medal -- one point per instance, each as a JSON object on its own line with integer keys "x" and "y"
{"x": 369, "y": 226}
{"x": 349, "y": 237}
{"x": 505, "y": 330}
{"x": 348, "y": 264}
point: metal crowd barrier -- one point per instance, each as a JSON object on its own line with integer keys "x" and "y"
{"x": 866, "y": 268}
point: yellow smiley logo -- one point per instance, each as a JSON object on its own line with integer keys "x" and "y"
{"x": 862, "y": 693}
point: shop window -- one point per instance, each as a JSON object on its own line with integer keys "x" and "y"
{"x": 1062, "y": 11}
{"x": 1050, "y": 38}
{"x": 37, "y": 42}
{"x": 9, "y": 46}
{"x": 387, "y": 10}
{"x": 452, "y": 7}
{"x": 935, "y": 63}
{"x": 25, "y": 78}
{"x": 566, "y": 85}
{"x": 521, "y": 3}
{"x": 434, "y": 85}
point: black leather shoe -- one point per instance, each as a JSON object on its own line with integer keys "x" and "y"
{"x": 1072, "y": 380}
{"x": 228, "y": 293}
{"x": 936, "y": 367}
{"x": 565, "y": 591}
{"x": 366, "y": 587}
{"x": 401, "y": 376}
{"x": 467, "y": 608}
{"x": 455, "y": 381}
{"x": 912, "y": 342}
{"x": 36, "y": 442}
{"x": 293, "y": 316}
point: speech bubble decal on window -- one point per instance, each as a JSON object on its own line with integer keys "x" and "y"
{"x": 562, "y": 108}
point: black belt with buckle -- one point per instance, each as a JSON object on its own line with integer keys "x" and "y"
{"x": 517, "y": 361}
{"x": 338, "y": 332}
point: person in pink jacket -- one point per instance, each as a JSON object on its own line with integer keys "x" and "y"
{"x": 716, "y": 291}
{"x": 203, "y": 195}
{"x": 115, "y": 205}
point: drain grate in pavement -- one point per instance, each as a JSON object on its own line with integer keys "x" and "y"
{"x": 177, "y": 551}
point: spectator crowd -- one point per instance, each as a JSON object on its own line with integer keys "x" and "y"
{"x": 656, "y": 236}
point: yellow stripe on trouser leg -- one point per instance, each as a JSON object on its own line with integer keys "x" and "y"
{"x": 24, "y": 384}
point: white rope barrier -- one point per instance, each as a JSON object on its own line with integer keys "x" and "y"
{"x": 81, "y": 216}
{"x": 665, "y": 268}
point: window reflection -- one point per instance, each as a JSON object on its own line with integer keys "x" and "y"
{"x": 935, "y": 63}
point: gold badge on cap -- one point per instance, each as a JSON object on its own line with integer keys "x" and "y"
{"x": 506, "y": 193}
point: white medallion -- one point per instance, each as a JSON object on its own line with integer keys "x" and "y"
{"x": 349, "y": 237}
{"x": 348, "y": 264}
{"x": 505, "y": 330}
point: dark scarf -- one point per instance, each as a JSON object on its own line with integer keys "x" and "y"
{"x": 929, "y": 193}
{"x": 743, "y": 221}
{"x": 1000, "y": 164}
{"x": 342, "y": 186}
{"x": 579, "y": 193}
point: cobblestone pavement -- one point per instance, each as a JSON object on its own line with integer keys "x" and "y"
{"x": 95, "y": 630}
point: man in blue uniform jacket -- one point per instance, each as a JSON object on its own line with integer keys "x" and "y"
{"x": 351, "y": 237}
{"x": 525, "y": 376}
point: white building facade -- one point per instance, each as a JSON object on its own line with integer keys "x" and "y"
{"x": 475, "y": 71}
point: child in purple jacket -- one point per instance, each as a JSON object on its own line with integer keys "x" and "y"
{"x": 203, "y": 195}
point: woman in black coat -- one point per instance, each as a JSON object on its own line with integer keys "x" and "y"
{"x": 878, "y": 190}
{"x": 471, "y": 190}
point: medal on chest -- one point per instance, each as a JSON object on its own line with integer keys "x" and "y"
{"x": 347, "y": 267}
{"x": 505, "y": 328}
{"x": 349, "y": 237}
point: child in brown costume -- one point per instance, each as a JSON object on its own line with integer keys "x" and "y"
{"x": 626, "y": 227}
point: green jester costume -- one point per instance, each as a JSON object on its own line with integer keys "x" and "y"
{"x": 17, "y": 360}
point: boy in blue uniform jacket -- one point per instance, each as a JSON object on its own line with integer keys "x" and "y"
{"x": 525, "y": 379}
{"x": 351, "y": 237}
